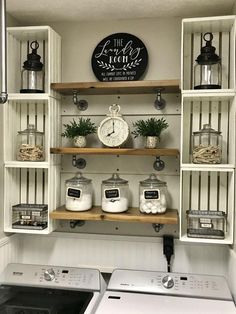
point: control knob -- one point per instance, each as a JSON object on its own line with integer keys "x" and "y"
{"x": 168, "y": 282}
{"x": 49, "y": 274}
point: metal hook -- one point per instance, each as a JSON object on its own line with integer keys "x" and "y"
{"x": 159, "y": 103}
{"x": 158, "y": 164}
{"x": 79, "y": 163}
{"x": 81, "y": 104}
{"x": 157, "y": 227}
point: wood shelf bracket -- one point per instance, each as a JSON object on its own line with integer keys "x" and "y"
{"x": 81, "y": 104}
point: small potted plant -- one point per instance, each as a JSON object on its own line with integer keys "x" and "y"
{"x": 77, "y": 131}
{"x": 150, "y": 129}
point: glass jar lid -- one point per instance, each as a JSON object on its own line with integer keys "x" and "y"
{"x": 115, "y": 180}
{"x": 152, "y": 181}
{"x": 207, "y": 130}
{"x": 30, "y": 130}
{"x": 78, "y": 179}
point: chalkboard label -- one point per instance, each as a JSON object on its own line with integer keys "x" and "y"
{"x": 112, "y": 193}
{"x": 74, "y": 193}
{"x": 151, "y": 194}
{"x": 120, "y": 57}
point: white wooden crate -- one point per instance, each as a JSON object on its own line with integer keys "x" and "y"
{"x": 18, "y": 45}
{"x": 18, "y": 114}
{"x": 207, "y": 190}
{"x": 216, "y": 110}
{"x": 223, "y": 29}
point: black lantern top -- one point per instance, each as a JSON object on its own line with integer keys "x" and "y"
{"x": 208, "y": 55}
{"x": 33, "y": 62}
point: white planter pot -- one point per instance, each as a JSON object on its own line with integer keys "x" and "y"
{"x": 151, "y": 141}
{"x": 79, "y": 141}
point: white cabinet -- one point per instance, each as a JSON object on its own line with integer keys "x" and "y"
{"x": 208, "y": 187}
{"x": 26, "y": 181}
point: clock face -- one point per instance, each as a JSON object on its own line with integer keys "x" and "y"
{"x": 113, "y": 131}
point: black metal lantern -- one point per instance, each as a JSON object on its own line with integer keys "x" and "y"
{"x": 207, "y": 71}
{"x": 32, "y": 74}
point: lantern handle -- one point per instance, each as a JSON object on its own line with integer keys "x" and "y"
{"x": 210, "y": 37}
{"x": 34, "y": 43}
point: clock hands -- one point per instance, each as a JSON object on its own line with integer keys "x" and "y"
{"x": 113, "y": 129}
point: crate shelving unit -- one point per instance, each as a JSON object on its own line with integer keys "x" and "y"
{"x": 31, "y": 182}
{"x": 208, "y": 186}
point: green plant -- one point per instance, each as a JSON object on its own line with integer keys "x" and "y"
{"x": 82, "y": 128}
{"x": 149, "y": 127}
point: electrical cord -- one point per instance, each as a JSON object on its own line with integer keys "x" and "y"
{"x": 168, "y": 249}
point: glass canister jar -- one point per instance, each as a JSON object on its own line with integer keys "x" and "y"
{"x": 30, "y": 144}
{"x": 78, "y": 193}
{"x": 206, "y": 146}
{"x": 152, "y": 195}
{"x": 115, "y": 194}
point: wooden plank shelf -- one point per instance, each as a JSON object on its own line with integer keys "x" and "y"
{"x": 111, "y": 88}
{"x": 115, "y": 151}
{"x": 132, "y": 215}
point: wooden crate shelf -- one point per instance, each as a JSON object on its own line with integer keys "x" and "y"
{"x": 115, "y": 151}
{"x": 132, "y": 215}
{"x": 110, "y": 88}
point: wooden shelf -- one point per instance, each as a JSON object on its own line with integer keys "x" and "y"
{"x": 132, "y": 215}
{"x": 116, "y": 151}
{"x": 110, "y": 88}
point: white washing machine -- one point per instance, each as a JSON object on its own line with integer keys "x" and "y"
{"x": 38, "y": 289}
{"x": 146, "y": 292}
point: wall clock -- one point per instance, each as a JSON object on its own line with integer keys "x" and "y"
{"x": 113, "y": 131}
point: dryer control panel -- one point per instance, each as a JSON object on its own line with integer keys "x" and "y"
{"x": 179, "y": 284}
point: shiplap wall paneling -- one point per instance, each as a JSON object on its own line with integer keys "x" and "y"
{"x": 216, "y": 110}
{"x": 223, "y": 29}
{"x": 210, "y": 189}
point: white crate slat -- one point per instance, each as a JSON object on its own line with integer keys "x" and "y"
{"x": 23, "y": 185}
{"x": 31, "y": 186}
{"x": 225, "y": 46}
{"x": 39, "y": 187}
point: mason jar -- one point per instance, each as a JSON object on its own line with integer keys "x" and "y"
{"x": 115, "y": 194}
{"x": 206, "y": 146}
{"x": 30, "y": 144}
{"x": 152, "y": 195}
{"x": 78, "y": 193}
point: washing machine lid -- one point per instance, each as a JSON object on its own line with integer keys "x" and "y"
{"x": 138, "y": 303}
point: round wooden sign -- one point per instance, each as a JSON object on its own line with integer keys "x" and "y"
{"x": 120, "y": 57}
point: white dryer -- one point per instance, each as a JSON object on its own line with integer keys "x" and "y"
{"x": 147, "y": 292}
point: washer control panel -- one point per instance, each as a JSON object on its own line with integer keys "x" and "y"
{"x": 201, "y": 286}
{"x": 51, "y": 276}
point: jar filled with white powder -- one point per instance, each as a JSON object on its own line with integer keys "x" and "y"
{"x": 152, "y": 195}
{"x": 115, "y": 194}
{"x": 78, "y": 193}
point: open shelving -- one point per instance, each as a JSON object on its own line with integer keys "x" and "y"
{"x": 109, "y": 88}
{"x": 132, "y": 215}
